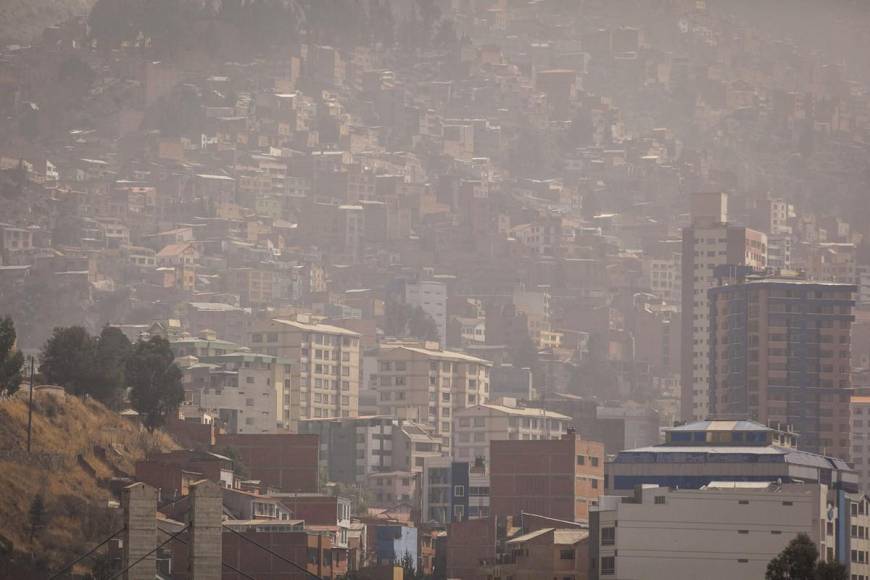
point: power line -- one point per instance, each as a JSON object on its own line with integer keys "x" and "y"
{"x": 86, "y": 554}
{"x": 233, "y": 568}
{"x": 237, "y": 571}
{"x": 172, "y": 537}
{"x": 277, "y": 555}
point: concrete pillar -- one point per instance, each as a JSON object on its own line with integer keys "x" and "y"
{"x": 140, "y": 535}
{"x": 206, "y": 511}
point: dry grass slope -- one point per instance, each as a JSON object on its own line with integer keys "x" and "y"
{"x": 76, "y": 504}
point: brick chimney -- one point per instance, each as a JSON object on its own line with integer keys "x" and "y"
{"x": 140, "y": 533}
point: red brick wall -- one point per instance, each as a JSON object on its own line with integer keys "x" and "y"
{"x": 257, "y": 563}
{"x": 285, "y": 461}
{"x": 544, "y": 478}
{"x": 190, "y": 434}
{"x": 468, "y": 543}
{"x": 321, "y": 510}
{"x": 166, "y": 478}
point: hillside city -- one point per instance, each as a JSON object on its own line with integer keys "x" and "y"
{"x": 435, "y": 289}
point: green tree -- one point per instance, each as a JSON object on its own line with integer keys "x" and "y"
{"x": 240, "y": 468}
{"x": 831, "y": 571}
{"x": 797, "y": 561}
{"x": 37, "y": 516}
{"x": 401, "y": 319}
{"x": 68, "y": 359}
{"x": 409, "y": 567}
{"x": 421, "y": 325}
{"x": 112, "y": 351}
{"x": 395, "y": 317}
{"x": 11, "y": 360}
{"x": 155, "y": 381}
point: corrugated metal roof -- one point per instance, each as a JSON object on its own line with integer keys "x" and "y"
{"x": 722, "y": 426}
{"x": 530, "y": 536}
{"x": 569, "y": 536}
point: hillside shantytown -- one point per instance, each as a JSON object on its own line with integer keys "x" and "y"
{"x": 434, "y": 290}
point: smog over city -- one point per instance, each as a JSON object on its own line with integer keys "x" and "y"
{"x": 434, "y": 289}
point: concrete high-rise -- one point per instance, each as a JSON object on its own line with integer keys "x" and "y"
{"x": 325, "y": 367}
{"x": 860, "y": 437}
{"x": 779, "y": 353}
{"x": 424, "y": 383}
{"x": 708, "y": 242}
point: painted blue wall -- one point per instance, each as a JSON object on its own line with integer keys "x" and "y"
{"x": 393, "y": 542}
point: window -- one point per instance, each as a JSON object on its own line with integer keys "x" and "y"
{"x": 249, "y": 380}
{"x": 566, "y": 554}
{"x": 593, "y": 461}
{"x": 608, "y": 536}
{"x": 581, "y": 460}
{"x": 256, "y": 337}
{"x": 608, "y": 566}
{"x": 459, "y": 491}
{"x": 660, "y": 499}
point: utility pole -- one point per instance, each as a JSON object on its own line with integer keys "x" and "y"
{"x": 30, "y": 410}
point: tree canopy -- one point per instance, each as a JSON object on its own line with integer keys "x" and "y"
{"x": 404, "y": 320}
{"x": 11, "y": 360}
{"x": 799, "y": 561}
{"x": 87, "y": 365}
{"x": 155, "y": 381}
{"x": 68, "y": 359}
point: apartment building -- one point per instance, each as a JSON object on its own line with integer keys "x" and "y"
{"x": 453, "y": 491}
{"x": 780, "y": 353}
{"x": 354, "y": 448}
{"x": 664, "y": 277}
{"x": 431, "y": 297}
{"x": 427, "y": 384}
{"x": 553, "y": 478}
{"x": 475, "y": 427}
{"x": 324, "y": 362}
{"x": 709, "y": 242}
{"x": 859, "y": 435}
{"x": 857, "y": 522}
{"x": 239, "y": 388}
{"x": 722, "y": 531}
{"x": 390, "y": 488}
{"x": 535, "y": 305}
{"x": 695, "y": 454}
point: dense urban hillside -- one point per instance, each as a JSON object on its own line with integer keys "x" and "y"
{"x": 78, "y": 447}
{"x": 24, "y": 20}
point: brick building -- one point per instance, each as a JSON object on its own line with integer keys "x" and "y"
{"x": 554, "y": 478}
{"x": 780, "y": 352}
{"x": 287, "y": 462}
{"x": 172, "y": 473}
{"x": 468, "y": 544}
